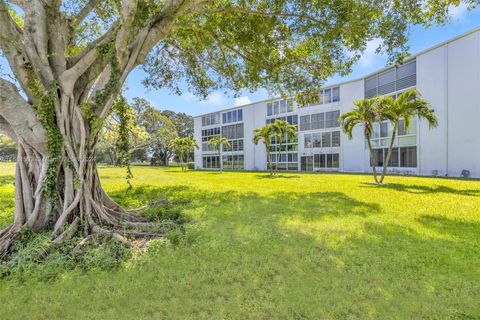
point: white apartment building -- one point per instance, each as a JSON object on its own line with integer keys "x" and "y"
{"x": 447, "y": 75}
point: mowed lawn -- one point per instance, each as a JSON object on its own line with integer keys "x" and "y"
{"x": 298, "y": 246}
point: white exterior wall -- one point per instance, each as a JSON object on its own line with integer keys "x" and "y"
{"x": 353, "y": 156}
{"x": 197, "y": 134}
{"x": 447, "y": 76}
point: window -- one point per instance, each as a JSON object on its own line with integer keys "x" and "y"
{"x": 232, "y": 116}
{"x": 317, "y": 121}
{"x": 391, "y": 80}
{"x": 405, "y": 157}
{"x": 327, "y": 96}
{"x": 316, "y": 140}
{"x": 408, "y": 157}
{"x": 289, "y": 105}
{"x": 283, "y": 106}
{"x": 320, "y": 121}
{"x": 378, "y": 157}
{"x": 331, "y": 119}
{"x": 336, "y": 94}
{"x": 335, "y": 160}
{"x": 210, "y": 119}
{"x": 208, "y": 134}
{"x": 211, "y": 162}
{"x": 233, "y": 162}
{"x": 305, "y": 122}
{"x": 383, "y": 129}
{"x": 401, "y": 128}
{"x": 393, "y": 158}
{"x": 335, "y": 138}
{"x": 326, "y": 140}
{"x": 308, "y": 141}
{"x": 322, "y": 161}
{"x": 279, "y": 107}
{"x": 386, "y": 82}
{"x": 234, "y": 134}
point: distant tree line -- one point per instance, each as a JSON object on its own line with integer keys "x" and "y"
{"x": 152, "y": 132}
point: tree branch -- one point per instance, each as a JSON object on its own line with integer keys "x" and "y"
{"x": 21, "y": 117}
{"x": 162, "y": 23}
{"x": 83, "y": 13}
{"x": 7, "y": 129}
{"x": 11, "y": 46}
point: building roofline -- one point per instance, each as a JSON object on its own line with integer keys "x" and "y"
{"x": 414, "y": 56}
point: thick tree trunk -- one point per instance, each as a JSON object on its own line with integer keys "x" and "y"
{"x": 78, "y": 205}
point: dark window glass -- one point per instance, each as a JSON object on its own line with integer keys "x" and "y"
{"x": 378, "y": 157}
{"x": 327, "y": 96}
{"x": 384, "y": 129}
{"x": 393, "y": 158}
{"x": 329, "y": 160}
{"x": 401, "y": 128}
{"x": 326, "y": 140}
{"x": 305, "y": 122}
{"x": 316, "y": 140}
{"x": 283, "y": 106}
{"x": 336, "y": 94}
{"x": 408, "y": 157}
{"x": 269, "y": 109}
{"x": 335, "y": 138}
{"x": 289, "y": 105}
{"x": 308, "y": 141}
{"x": 316, "y": 161}
{"x": 335, "y": 160}
{"x": 275, "y": 107}
{"x": 322, "y": 161}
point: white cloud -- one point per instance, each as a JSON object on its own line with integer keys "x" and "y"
{"x": 240, "y": 101}
{"x": 458, "y": 12}
{"x": 215, "y": 99}
{"x": 370, "y": 56}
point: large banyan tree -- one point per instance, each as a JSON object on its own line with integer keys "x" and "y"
{"x": 68, "y": 60}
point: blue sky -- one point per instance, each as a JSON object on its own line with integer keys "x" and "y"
{"x": 420, "y": 39}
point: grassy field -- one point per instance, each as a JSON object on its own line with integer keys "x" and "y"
{"x": 298, "y": 246}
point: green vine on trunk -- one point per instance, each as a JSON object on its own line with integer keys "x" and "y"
{"x": 45, "y": 109}
{"x": 123, "y": 143}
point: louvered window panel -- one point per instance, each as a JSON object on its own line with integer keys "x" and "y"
{"x": 371, "y": 93}
{"x": 407, "y": 82}
{"x": 392, "y": 80}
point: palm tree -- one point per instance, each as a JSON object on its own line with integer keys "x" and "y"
{"x": 182, "y": 146}
{"x": 407, "y": 105}
{"x": 365, "y": 113}
{"x": 218, "y": 143}
{"x": 283, "y": 130}
{"x": 266, "y": 133}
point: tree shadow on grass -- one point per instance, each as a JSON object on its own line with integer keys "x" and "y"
{"x": 277, "y": 176}
{"x": 421, "y": 189}
{"x": 457, "y": 228}
{"x": 6, "y": 180}
{"x": 382, "y": 268}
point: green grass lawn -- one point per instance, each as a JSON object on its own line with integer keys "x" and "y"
{"x": 299, "y": 246}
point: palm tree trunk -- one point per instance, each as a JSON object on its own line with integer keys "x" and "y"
{"x": 389, "y": 153}
{"x": 269, "y": 160}
{"x": 372, "y": 164}
{"x": 221, "y": 160}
